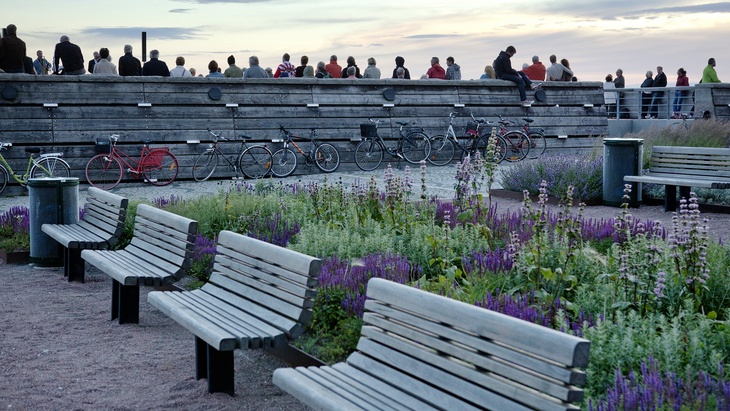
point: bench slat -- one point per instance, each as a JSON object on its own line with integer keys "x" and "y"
{"x": 675, "y": 181}
{"x": 302, "y": 388}
{"x": 97, "y": 194}
{"x": 126, "y": 268}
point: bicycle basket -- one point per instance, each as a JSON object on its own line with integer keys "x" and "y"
{"x": 368, "y": 130}
{"x": 471, "y": 127}
{"x": 103, "y": 145}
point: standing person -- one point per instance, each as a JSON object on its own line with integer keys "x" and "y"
{"x": 399, "y": 63}
{"x": 436, "y": 71}
{"x": 93, "y": 62}
{"x": 180, "y": 70}
{"x": 556, "y": 70}
{"x": 12, "y": 51}
{"x": 536, "y": 71}
{"x": 619, "y": 82}
{"x": 646, "y": 95}
{"x": 504, "y": 71}
{"x": 254, "y": 69}
{"x": 233, "y": 70}
{"x": 333, "y": 68}
{"x": 104, "y": 65}
{"x": 453, "y": 70}
{"x": 155, "y": 67}
{"x": 71, "y": 56}
{"x": 351, "y": 63}
{"x": 682, "y": 81}
{"x": 285, "y": 69}
{"x": 41, "y": 65}
{"x": 371, "y": 71}
{"x": 609, "y": 97}
{"x": 709, "y": 75}
{"x": 128, "y": 64}
{"x": 660, "y": 80}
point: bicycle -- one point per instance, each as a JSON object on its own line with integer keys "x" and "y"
{"x": 158, "y": 165}
{"x": 518, "y": 143}
{"x": 254, "y": 161}
{"x": 324, "y": 155}
{"x": 413, "y": 145}
{"x": 442, "y": 146}
{"x": 536, "y": 138}
{"x": 46, "y": 165}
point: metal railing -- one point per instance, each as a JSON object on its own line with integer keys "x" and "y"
{"x": 636, "y": 103}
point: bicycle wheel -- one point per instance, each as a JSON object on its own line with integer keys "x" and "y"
{"x": 103, "y": 172}
{"x": 518, "y": 146}
{"x": 538, "y": 145}
{"x": 3, "y": 178}
{"x": 500, "y": 149}
{"x": 442, "y": 151}
{"x": 159, "y": 167}
{"x": 283, "y": 162}
{"x": 205, "y": 165}
{"x": 416, "y": 147}
{"x": 368, "y": 154}
{"x": 255, "y": 161}
{"x": 50, "y": 167}
{"x": 327, "y": 158}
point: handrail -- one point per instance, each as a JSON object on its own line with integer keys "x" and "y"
{"x": 635, "y": 102}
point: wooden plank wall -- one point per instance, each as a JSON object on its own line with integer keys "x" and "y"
{"x": 69, "y": 113}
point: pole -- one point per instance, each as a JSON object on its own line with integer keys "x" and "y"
{"x": 144, "y": 46}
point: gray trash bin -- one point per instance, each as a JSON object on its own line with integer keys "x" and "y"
{"x": 53, "y": 200}
{"x": 621, "y": 157}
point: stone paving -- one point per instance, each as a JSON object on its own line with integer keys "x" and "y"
{"x": 440, "y": 182}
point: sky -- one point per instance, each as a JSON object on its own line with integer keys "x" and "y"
{"x": 597, "y": 37}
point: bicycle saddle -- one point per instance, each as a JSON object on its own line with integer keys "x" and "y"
{"x": 34, "y": 150}
{"x": 402, "y": 123}
{"x": 527, "y": 120}
{"x": 245, "y": 137}
{"x": 145, "y": 141}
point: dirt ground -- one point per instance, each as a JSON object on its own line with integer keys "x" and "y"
{"x": 60, "y": 351}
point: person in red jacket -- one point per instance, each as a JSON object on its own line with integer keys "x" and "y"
{"x": 436, "y": 71}
{"x": 682, "y": 81}
{"x": 536, "y": 71}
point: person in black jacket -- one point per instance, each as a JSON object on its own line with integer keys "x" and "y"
{"x": 70, "y": 55}
{"x": 399, "y": 62}
{"x": 660, "y": 80}
{"x": 12, "y": 52}
{"x": 503, "y": 68}
{"x": 128, "y": 64}
{"x": 351, "y": 63}
{"x": 155, "y": 67}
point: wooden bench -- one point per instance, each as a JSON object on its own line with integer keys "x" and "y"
{"x": 99, "y": 228}
{"x": 686, "y": 167}
{"x": 259, "y": 296}
{"x": 159, "y": 254}
{"x": 422, "y": 351}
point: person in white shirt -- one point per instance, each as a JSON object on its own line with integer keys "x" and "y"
{"x": 105, "y": 65}
{"x": 179, "y": 70}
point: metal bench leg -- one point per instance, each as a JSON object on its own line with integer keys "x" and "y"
{"x": 670, "y": 197}
{"x": 684, "y": 193}
{"x": 220, "y": 371}
{"x": 125, "y": 303}
{"x": 73, "y": 264}
{"x": 201, "y": 358}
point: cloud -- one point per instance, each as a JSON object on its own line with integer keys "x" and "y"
{"x": 225, "y": 1}
{"x": 432, "y": 36}
{"x": 181, "y": 10}
{"x": 160, "y": 33}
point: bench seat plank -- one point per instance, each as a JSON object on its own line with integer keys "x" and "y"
{"x": 259, "y": 295}
{"x": 448, "y": 355}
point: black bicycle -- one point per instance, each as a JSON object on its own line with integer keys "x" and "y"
{"x": 413, "y": 145}
{"x": 254, "y": 161}
{"x": 324, "y": 155}
{"x": 443, "y": 146}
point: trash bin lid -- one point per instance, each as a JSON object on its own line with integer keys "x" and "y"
{"x": 53, "y": 181}
{"x": 623, "y": 141}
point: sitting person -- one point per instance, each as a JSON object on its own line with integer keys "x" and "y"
{"x": 503, "y": 68}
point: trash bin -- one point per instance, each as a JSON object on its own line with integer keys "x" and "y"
{"x": 53, "y": 200}
{"x": 621, "y": 157}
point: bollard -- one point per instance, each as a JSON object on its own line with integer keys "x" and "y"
{"x": 53, "y": 200}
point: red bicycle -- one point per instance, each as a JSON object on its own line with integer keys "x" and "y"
{"x": 157, "y": 165}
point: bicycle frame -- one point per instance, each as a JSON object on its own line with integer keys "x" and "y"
{"x": 398, "y": 149}
{"x": 119, "y": 154}
{"x": 289, "y": 139}
{"x": 32, "y": 161}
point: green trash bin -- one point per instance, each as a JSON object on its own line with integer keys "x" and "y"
{"x": 53, "y": 200}
{"x": 621, "y": 157}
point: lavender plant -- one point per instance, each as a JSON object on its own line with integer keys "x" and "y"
{"x": 15, "y": 229}
{"x": 584, "y": 174}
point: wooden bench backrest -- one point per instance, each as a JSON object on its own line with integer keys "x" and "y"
{"x": 275, "y": 284}
{"x": 703, "y": 162}
{"x": 105, "y": 213}
{"x": 167, "y": 236}
{"x": 478, "y": 358}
